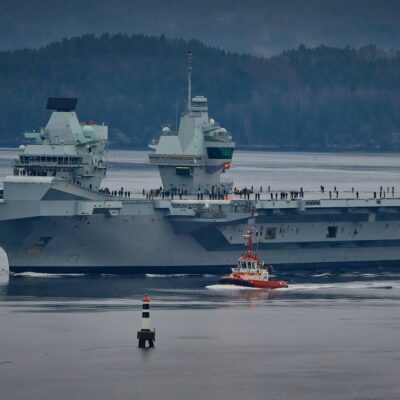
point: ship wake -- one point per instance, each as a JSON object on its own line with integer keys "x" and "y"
{"x": 388, "y": 284}
{"x": 230, "y": 287}
{"x": 42, "y": 275}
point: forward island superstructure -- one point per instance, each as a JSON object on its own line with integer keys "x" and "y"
{"x": 65, "y": 149}
{"x": 56, "y": 218}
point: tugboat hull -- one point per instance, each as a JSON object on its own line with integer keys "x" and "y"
{"x": 253, "y": 283}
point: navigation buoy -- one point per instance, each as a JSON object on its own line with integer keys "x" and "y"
{"x": 145, "y": 334}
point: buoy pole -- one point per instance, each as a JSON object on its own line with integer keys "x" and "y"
{"x": 145, "y": 334}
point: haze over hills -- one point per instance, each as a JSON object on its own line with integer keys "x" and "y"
{"x": 322, "y": 98}
{"x": 262, "y": 27}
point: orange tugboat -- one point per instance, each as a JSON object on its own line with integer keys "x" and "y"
{"x": 250, "y": 271}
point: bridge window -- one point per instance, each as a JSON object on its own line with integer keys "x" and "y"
{"x": 220, "y": 153}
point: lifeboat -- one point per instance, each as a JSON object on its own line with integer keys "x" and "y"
{"x": 250, "y": 271}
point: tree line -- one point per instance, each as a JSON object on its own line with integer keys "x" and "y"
{"x": 320, "y": 98}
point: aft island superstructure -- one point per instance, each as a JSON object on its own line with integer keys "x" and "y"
{"x": 55, "y": 216}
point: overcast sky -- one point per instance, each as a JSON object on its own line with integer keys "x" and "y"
{"x": 262, "y": 27}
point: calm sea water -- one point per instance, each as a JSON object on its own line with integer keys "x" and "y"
{"x": 327, "y": 336}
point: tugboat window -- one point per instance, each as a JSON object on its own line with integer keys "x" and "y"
{"x": 332, "y": 231}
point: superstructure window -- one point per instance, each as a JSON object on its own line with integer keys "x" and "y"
{"x": 221, "y": 153}
{"x": 183, "y": 171}
{"x": 48, "y": 159}
{"x": 332, "y": 231}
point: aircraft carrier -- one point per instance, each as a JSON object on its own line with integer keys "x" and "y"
{"x": 55, "y": 216}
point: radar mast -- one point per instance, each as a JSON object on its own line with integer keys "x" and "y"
{"x": 189, "y": 80}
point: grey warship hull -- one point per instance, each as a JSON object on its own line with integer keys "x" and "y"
{"x": 78, "y": 231}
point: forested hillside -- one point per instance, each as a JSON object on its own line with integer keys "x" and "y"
{"x": 322, "y": 98}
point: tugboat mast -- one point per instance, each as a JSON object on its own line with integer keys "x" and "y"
{"x": 249, "y": 241}
{"x": 249, "y": 237}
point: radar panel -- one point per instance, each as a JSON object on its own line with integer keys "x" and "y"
{"x": 61, "y": 103}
